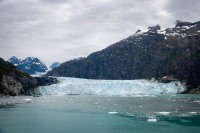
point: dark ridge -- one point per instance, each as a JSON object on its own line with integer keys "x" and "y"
{"x": 181, "y": 23}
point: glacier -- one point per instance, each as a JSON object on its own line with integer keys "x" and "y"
{"x": 76, "y": 86}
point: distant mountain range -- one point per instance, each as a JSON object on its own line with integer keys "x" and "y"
{"x": 32, "y": 65}
{"x": 172, "y": 53}
{"x": 29, "y": 65}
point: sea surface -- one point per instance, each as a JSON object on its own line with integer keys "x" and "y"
{"x": 102, "y": 106}
{"x": 163, "y": 113}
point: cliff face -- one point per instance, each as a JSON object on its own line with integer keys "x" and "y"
{"x": 172, "y": 53}
{"x": 15, "y": 82}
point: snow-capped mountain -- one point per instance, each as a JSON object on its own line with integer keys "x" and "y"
{"x": 15, "y": 61}
{"x": 158, "y": 53}
{"x": 55, "y": 64}
{"x": 30, "y": 65}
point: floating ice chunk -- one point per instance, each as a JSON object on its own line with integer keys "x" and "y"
{"x": 196, "y": 101}
{"x": 152, "y": 120}
{"x": 193, "y": 112}
{"x": 114, "y": 112}
{"x": 136, "y": 96}
{"x": 28, "y": 100}
{"x": 163, "y": 113}
{"x": 129, "y": 114}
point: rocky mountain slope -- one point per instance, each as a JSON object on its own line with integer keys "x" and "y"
{"x": 29, "y": 65}
{"x": 170, "y": 54}
{"x": 15, "y": 82}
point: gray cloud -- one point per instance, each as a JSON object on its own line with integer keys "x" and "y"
{"x": 186, "y": 10}
{"x": 60, "y": 30}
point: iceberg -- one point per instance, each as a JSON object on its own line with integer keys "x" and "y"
{"x": 112, "y": 112}
{"x": 152, "y": 120}
{"x": 76, "y": 86}
{"x": 28, "y": 100}
{"x": 163, "y": 113}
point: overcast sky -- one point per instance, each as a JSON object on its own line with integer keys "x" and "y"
{"x": 60, "y": 30}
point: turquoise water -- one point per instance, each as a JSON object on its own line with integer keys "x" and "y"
{"x": 100, "y": 114}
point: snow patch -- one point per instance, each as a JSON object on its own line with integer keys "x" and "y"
{"x": 163, "y": 113}
{"x": 152, "y": 120}
{"x": 114, "y": 112}
{"x": 27, "y": 67}
{"x": 163, "y": 32}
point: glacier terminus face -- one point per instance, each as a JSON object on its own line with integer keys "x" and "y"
{"x": 76, "y": 86}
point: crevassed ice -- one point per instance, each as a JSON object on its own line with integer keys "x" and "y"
{"x": 110, "y": 87}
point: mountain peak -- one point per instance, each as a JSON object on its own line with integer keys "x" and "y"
{"x": 15, "y": 61}
{"x": 29, "y": 65}
{"x": 13, "y": 57}
{"x": 29, "y": 59}
{"x": 154, "y": 28}
{"x": 179, "y": 23}
{"x": 138, "y": 31}
{"x": 54, "y": 65}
